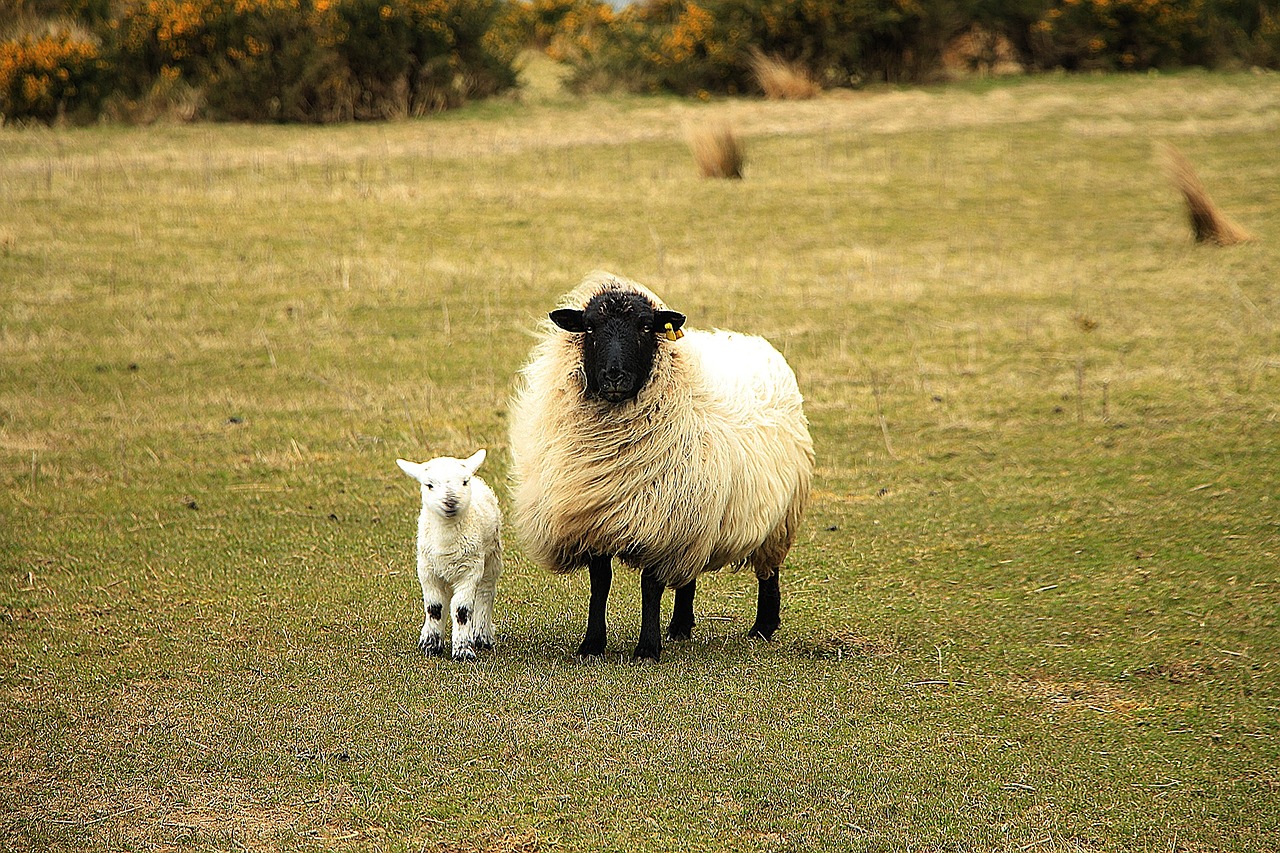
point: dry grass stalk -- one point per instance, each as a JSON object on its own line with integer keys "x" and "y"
{"x": 782, "y": 80}
{"x": 1208, "y": 222}
{"x": 717, "y": 152}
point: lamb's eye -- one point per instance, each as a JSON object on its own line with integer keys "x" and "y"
{"x": 430, "y": 487}
{"x": 466, "y": 482}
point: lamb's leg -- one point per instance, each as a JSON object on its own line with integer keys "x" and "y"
{"x": 484, "y": 617}
{"x": 601, "y": 569}
{"x": 768, "y": 608}
{"x": 650, "y": 645}
{"x": 434, "y": 595}
{"x": 681, "y": 627}
{"x": 465, "y": 626}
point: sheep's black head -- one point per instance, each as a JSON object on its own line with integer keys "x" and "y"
{"x": 620, "y": 331}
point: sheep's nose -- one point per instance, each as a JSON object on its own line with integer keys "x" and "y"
{"x": 615, "y": 377}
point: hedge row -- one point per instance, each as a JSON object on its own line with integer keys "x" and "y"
{"x": 330, "y": 60}
{"x": 704, "y": 46}
{"x": 269, "y": 60}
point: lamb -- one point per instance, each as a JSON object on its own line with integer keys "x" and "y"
{"x": 459, "y": 552}
{"x": 677, "y": 451}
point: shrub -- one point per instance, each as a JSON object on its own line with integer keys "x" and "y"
{"x": 321, "y": 60}
{"x": 717, "y": 152}
{"x": 782, "y": 80}
{"x": 1120, "y": 34}
{"x": 702, "y": 47}
{"x": 48, "y": 77}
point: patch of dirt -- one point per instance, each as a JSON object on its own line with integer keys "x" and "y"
{"x": 500, "y": 842}
{"x": 1076, "y": 695}
{"x": 847, "y": 643}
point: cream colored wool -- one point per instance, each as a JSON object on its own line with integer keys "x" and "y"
{"x": 710, "y": 465}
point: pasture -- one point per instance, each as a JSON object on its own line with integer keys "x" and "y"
{"x": 1033, "y": 607}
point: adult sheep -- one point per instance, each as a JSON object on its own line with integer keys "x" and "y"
{"x": 677, "y": 451}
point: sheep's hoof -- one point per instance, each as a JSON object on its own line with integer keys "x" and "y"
{"x": 645, "y": 654}
{"x": 761, "y": 632}
{"x": 592, "y": 647}
{"x": 680, "y": 633}
{"x": 430, "y": 645}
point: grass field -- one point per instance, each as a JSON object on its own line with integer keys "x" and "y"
{"x": 1034, "y": 605}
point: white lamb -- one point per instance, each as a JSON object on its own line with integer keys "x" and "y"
{"x": 459, "y": 552}
{"x": 679, "y": 452}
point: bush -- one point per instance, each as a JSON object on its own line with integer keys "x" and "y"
{"x": 45, "y": 78}
{"x": 316, "y": 60}
{"x": 705, "y": 47}
{"x": 1120, "y": 34}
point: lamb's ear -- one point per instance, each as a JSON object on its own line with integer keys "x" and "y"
{"x": 569, "y": 319}
{"x": 413, "y": 469}
{"x": 668, "y": 323}
{"x": 474, "y": 461}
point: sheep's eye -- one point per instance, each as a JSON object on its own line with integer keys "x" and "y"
{"x": 430, "y": 487}
{"x": 647, "y": 328}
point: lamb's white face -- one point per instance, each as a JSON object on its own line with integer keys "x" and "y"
{"x": 446, "y": 482}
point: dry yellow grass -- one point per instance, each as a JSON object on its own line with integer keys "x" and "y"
{"x": 1208, "y": 222}
{"x": 717, "y": 152}
{"x": 782, "y": 80}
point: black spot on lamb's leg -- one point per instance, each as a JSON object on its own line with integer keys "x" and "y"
{"x": 601, "y": 569}
{"x": 435, "y": 611}
{"x": 768, "y": 609}
{"x": 464, "y": 615}
{"x": 681, "y": 627}
{"x": 650, "y": 645}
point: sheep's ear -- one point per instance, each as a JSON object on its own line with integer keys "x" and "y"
{"x": 413, "y": 469}
{"x": 569, "y": 319}
{"x": 474, "y": 461}
{"x": 668, "y": 323}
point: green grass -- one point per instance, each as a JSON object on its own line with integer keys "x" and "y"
{"x": 1035, "y": 609}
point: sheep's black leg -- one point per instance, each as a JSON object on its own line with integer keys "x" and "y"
{"x": 681, "y": 627}
{"x": 768, "y": 609}
{"x": 593, "y": 643}
{"x": 650, "y": 645}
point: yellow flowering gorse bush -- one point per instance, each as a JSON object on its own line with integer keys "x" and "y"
{"x": 43, "y": 77}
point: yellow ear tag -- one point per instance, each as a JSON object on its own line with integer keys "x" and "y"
{"x": 674, "y": 334}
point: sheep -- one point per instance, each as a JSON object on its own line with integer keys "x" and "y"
{"x": 459, "y": 552}
{"x": 676, "y": 450}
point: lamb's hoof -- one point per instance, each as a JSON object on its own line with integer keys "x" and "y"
{"x": 761, "y": 632}
{"x": 466, "y": 653}
{"x": 485, "y": 645}
{"x": 430, "y": 645}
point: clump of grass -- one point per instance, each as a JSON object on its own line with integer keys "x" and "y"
{"x": 1208, "y": 222}
{"x": 782, "y": 80}
{"x": 717, "y": 152}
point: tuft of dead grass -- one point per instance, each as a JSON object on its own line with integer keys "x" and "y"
{"x": 1208, "y": 222}
{"x": 717, "y": 152}
{"x": 782, "y": 80}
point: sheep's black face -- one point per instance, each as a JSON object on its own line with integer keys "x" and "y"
{"x": 620, "y": 332}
